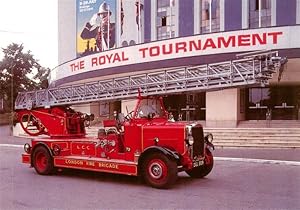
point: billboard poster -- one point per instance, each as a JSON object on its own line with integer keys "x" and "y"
{"x": 96, "y": 26}
{"x": 132, "y": 24}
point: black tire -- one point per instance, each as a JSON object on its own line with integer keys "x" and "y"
{"x": 42, "y": 161}
{"x": 159, "y": 171}
{"x": 204, "y": 170}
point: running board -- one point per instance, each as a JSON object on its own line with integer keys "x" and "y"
{"x": 97, "y": 164}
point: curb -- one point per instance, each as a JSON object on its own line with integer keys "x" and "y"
{"x": 264, "y": 161}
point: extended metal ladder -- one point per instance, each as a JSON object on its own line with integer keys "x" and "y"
{"x": 251, "y": 69}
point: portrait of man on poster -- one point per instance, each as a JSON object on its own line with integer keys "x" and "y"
{"x": 101, "y": 29}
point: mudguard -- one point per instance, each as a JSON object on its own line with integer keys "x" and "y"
{"x": 173, "y": 155}
{"x": 36, "y": 146}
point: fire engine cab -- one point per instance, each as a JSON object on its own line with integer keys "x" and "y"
{"x": 143, "y": 143}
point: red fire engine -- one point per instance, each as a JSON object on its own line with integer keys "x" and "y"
{"x": 143, "y": 143}
{"x": 133, "y": 145}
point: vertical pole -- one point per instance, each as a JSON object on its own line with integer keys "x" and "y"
{"x": 210, "y": 10}
{"x": 185, "y": 77}
{"x": 139, "y": 22}
{"x": 231, "y": 72}
{"x": 108, "y": 26}
{"x": 165, "y": 80}
{"x": 171, "y": 5}
{"x": 47, "y": 98}
{"x": 259, "y": 13}
{"x": 34, "y": 98}
{"x": 253, "y": 69}
{"x": 12, "y": 99}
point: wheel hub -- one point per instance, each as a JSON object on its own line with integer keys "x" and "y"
{"x": 41, "y": 161}
{"x": 155, "y": 170}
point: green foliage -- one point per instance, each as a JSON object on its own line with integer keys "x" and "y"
{"x": 19, "y": 71}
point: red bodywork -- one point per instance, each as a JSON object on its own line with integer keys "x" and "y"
{"x": 62, "y": 122}
{"x": 121, "y": 146}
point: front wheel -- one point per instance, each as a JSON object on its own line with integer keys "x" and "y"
{"x": 204, "y": 170}
{"x": 42, "y": 161}
{"x": 159, "y": 171}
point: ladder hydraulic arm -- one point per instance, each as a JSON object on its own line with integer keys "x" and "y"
{"x": 250, "y": 69}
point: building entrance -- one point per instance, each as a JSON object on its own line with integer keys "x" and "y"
{"x": 275, "y": 103}
{"x": 186, "y": 107}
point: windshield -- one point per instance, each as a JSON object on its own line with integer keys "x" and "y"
{"x": 150, "y": 108}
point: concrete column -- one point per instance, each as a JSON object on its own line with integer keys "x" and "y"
{"x": 245, "y": 14}
{"x": 222, "y": 108}
{"x": 176, "y": 18}
{"x": 118, "y": 24}
{"x": 153, "y": 20}
{"x": 197, "y": 17}
{"x": 222, "y": 15}
{"x": 298, "y": 12}
{"x": 273, "y": 12}
{"x": 291, "y": 73}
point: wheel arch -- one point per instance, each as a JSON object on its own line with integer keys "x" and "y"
{"x": 171, "y": 154}
{"x": 40, "y": 144}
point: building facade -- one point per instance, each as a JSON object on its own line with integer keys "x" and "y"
{"x": 106, "y": 39}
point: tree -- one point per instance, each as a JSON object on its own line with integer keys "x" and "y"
{"x": 19, "y": 71}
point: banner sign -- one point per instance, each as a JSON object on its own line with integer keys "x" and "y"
{"x": 208, "y": 44}
{"x": 96, "y": 26}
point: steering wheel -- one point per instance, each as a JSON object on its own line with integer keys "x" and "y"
{"x": 129, "y": 116}
{"x": 31, "y": 125}
{"x": 151, "y": 115}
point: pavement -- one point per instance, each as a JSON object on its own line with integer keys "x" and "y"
{"x": 234, "y": 154}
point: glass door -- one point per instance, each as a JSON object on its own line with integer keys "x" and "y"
{"x": 275, "y": 103}
{"x": 284, "y": 100}
{"x": 258, "y": 103}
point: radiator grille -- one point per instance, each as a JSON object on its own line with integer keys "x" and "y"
{"x": 198, "y": 146}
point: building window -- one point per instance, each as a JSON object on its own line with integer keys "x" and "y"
{"x": 210, "y": 16}
{"x": 259, "y": 13}
{"x": 165, "y": 23}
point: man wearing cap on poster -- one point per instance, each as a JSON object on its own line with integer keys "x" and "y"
{"x": 100, "y": 28}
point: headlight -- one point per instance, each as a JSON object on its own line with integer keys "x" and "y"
{"x": 209, "y": 137}
{"x": 188, "y": 135}
{"x": 188, "y": 131}
{"x": 27, "y": 148}
{"x": 190, "y": 140}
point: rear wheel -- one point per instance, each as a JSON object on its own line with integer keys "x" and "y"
{"x": 159, "y": 171}
{"x": 42, "y": 161}
{"x": 204, "y": 170}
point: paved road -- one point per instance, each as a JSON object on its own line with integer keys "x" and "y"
{"x": 231, "y": 185}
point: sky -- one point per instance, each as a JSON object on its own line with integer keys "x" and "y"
{"x": 33, "y": 23}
